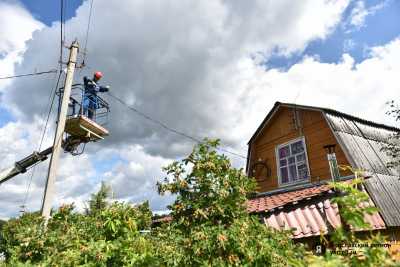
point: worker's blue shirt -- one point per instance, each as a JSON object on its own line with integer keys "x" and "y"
{"x": 92, "y": 88}
{"x": 90, "y": 93}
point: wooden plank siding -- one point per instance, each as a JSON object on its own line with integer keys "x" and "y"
{"x": 281, "y": 129}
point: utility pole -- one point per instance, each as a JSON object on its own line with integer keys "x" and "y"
{"x": 51, "y": 175}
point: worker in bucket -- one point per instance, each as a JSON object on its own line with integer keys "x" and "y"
{"x": 90, "y": 94}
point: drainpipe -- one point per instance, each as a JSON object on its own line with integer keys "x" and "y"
{"x": 333, "y": 165}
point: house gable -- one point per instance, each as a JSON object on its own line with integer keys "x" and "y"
{"x": 285, "y": 124}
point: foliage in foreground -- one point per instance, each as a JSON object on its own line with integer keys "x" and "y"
{"x": 210, "y": 224}
{"x": 210, "y": 227}
{"x": 110, "y": 236}
{"x": 392, "y": 145}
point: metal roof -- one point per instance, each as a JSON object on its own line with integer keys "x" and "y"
{"x": 362, "y": 143}
{"x": 307, "y": 212}
{"x": 310, "y": 220}
{"x": 268, "y": 203}
{"x": 385, "y": 192}
{"x": 316, "y": 218}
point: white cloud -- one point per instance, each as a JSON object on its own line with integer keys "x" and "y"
{"x": 360, "y": 12}
{"x": 18, "y": 140}
{"x": 16, "y": 27}
{"x": 170, "y": 58}
{"x": 75, "y": 177}
{"x": 361, "y": 89}
{"x": 250, "y": 91}
{"x": 185, "y": 63}
{"x": 349, "y": 45}
{"x": 135, "y": 176}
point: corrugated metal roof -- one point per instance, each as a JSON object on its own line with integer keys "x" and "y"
{"x": 316, "y": 218}
{"x": 363, "y": 143}
{"x": 385, "y": 192}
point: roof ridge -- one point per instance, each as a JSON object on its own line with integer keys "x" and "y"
{"x": 343, "y": 114}
{"x": 322, "y": 109}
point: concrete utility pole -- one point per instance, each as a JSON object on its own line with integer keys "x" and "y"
{"x": 51, "y": 175}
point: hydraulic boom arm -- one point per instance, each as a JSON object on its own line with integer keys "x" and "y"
{"x": 22, "y": 165}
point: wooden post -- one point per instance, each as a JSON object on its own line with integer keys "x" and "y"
{"x": 51, "y": 175}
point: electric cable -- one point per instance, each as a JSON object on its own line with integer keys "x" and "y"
{"x": 87, "y": 33}
{"x": 51, "y": 96}
{"x": 28, "y": 74}
{"x": 168, "y": 128}
{"x": 61, "y": 30}
{"x": 64, "y": 16}
{"x": 50, "y": 107}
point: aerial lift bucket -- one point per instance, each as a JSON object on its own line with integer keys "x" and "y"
{"x": 84, "y": 128}
{"x": 81, "y": 129}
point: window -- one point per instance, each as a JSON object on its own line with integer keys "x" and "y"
{"x": 292, "y": 162}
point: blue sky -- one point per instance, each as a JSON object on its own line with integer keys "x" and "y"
{"x": 5, "y": 116}
{"x": 48, "y": 11}
{"x": 378, "y": 29}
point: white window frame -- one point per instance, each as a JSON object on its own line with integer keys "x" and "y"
{"x": 278, "y": 167}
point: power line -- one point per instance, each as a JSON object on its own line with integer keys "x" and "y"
{"x": 50, "y": 107}
{"x": 87, "y": 32}
{"x": 168, "y": 128}
{"x": 61, "y": 30}
{"x": 28, "y": 74}
{"x": 64, "y": 16}
{"x": 52, "y": 93}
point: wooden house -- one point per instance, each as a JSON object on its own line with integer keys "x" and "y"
{"x": 294, "y": 153}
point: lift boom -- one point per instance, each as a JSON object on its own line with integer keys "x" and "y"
{"x": 22, "y": 165}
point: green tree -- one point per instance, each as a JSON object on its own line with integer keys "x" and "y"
{"x": 98, "y": 200}
{"x": 392, "y": 145}
{"x": 109, "y": 237}
{"x": 211, "y": 226}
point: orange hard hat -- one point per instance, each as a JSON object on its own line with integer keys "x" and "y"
{"x": 98, "y": 75}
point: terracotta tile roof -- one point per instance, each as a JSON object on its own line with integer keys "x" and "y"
{"x": 263, "y": 204}
{"x": 163, "y": 219}
{"x": 315, "y": 219}
{"x": 375, "y": 220}
{"x": 305, "y": 221}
